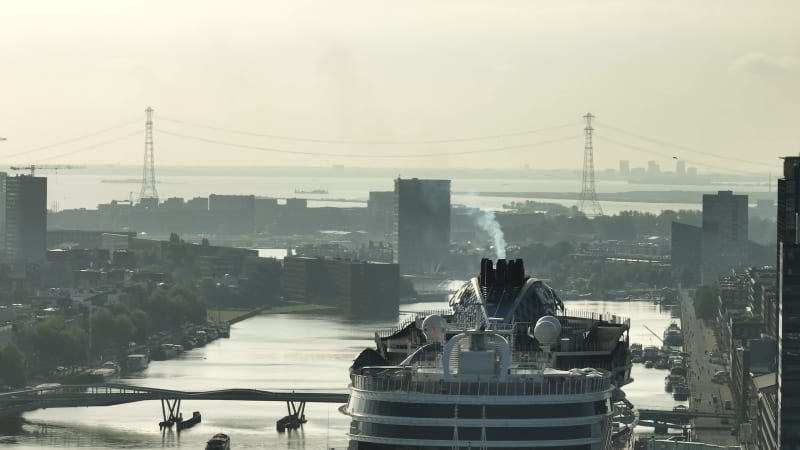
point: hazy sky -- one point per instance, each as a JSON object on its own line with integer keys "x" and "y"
{"x": 721, "y": 77}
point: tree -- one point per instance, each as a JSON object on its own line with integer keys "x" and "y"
{"x": 262, "y": 277}
{"x": 59, "y": 343}
{"x": 12, "y": 366}
{"x": 706, "y": 305}
{"x": 104, "y": 328}
{"x": 140, "y": 323}
{"x": 123, "y": 329}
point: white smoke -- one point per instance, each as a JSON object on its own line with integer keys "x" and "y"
{"x": 487, "y": 222}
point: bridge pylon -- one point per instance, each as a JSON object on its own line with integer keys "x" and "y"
{"x": 296, "y": 416}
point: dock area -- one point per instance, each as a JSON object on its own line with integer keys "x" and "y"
{"x": 706, "y": 396}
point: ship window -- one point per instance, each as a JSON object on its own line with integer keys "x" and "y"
{"x": 475, "y": 433}
{"x": 400, "y": 409}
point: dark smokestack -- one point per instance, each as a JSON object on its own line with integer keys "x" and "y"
{"x": 501, "y": 273}
{"x": 482, "y": 276}
{"x": 511, "y": 273}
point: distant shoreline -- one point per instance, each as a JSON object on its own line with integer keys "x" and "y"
{"x": 130, "y": 181}
{"x": 632, "y": 196}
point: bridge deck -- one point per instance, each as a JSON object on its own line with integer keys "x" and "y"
{"x": 680, "y": 417}
{"x": 68, "y": 396}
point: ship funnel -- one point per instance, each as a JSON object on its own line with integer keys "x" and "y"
{"x": 501, "y": 273}
{"x": 504, "y": 274}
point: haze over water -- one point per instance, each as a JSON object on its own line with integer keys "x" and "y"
{"x": 278, "y": 352}
{"x": 79, "y": 189}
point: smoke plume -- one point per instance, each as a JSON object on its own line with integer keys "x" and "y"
{"x": 487, "y": 221}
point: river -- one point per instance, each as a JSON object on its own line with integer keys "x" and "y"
{"x": 277, "y": 352}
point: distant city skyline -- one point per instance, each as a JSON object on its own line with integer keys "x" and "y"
{"x": 718, "y": 80}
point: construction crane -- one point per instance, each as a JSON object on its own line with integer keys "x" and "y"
{"x": 34, "y": 167}
{"x": 654, "y": 333}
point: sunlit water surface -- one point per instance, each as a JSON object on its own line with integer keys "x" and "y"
{"x": 277, "y": 352}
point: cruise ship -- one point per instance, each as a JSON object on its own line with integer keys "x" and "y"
{"x": 505, "y": 367}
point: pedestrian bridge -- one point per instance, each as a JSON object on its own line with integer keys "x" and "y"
{"x": 106, "y": 394}
{"x": 676, "y": 417}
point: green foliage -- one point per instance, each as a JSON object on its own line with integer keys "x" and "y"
{"x": 140, "y": 324}
{"x": 260, "y": 280}
{"x": 565, "y": 271}
{"x": 60, "y": 343}
{"x": 172, "y": 307}
{"x": 12, "y": 366}
{"x": 706, "y": 303}
{"x": 104, "y": 331}
{"x": 118, "y": 325}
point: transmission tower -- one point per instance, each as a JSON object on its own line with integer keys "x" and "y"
{"x": 148, "y": 169}
{"x": 588, "y": 203}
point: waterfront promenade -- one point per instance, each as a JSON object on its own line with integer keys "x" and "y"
{"x": 706, "y": 396}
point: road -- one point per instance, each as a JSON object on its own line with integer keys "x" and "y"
{"x": 699, "y": 342}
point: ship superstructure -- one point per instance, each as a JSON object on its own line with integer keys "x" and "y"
{"x": 506, "y": 367}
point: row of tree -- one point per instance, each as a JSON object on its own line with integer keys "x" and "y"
{"x": 557, "y": 224}
{"x": 558, "y": 263}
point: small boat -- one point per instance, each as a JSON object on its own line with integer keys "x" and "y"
{"x": 136, "y": 362}
{"x": 224, "y": 330}
{"x": 670, "y": 381}
{"x": 188, "y": 423}
{"x": 650, "y": 353}
{"x": 680, "y": 392}
{"x": 678, "y": 370}
{"x": 107, "y": 371}
{"x": 201, "y": 338}
{"x": 220, "y": 441}
{"x": 673, "y": 336}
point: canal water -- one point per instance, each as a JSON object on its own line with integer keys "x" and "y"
{"x": 277, "y": 352}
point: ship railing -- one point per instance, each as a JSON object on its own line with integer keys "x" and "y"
{"x": 560, "y": 385}
{"x": 386, "y": 332}
{"x": 457, "y": 327}
{"x": 597, "y": 317}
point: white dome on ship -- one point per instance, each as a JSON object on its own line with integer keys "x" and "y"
{"x": 547, "y": 330}
{"x": 433, "y": 327}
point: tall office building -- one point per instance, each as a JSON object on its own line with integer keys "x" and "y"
{"x": 789, "y": 304}
{"x": 422, "y": 224}
{"x": 724, "y": 234}
{"x": 624, "y": 167}
{"x": 23, "y": 224}
{"x": 680, "y": 167}
{"x": 653, "y": 168}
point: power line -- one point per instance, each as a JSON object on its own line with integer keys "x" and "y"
{"x": 682, "y": 147}
{"x": 361, "y": 155}
{"x": 358, "y": 142}
{"x": 68, "y": 141}
{"x": 665, "y": 155}
{"x": 83, "y": 149}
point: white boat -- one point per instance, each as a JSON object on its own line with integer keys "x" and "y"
{"x": 137, "y": 362}
{"x": 505, "y": 369}
{"x": 107, "y": 371}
